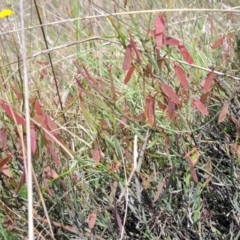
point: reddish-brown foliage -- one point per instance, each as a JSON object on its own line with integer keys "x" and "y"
{"x": 171, "y": 41}
{"x": 150, "y": 110}
{"x": 92, "y": 220}
{"x": 129, "y": 74}
{"x": 196, "y": 103}
{"x": 160, "y": 30}
{"x": 223, "y": 113}
{"x": 218, "y": 42}
{"x": 54, "y": 155}
{"x": 12, "y": 114}
{"x": 128, "y": 58}
{"x": 185, "y": 54}
{"x": 38, "y": 108}
{"x": 208, "y": 82}
{"x": 4, "y": 165}
{"x": 170, "y": 93}
{"x": 133, "y": 44}
{"x": 33, "y": 140}
{"x": 171, "y": 111}
{"x": 181, "y": 76}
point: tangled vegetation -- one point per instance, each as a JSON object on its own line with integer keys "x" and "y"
{"x": 135, "y": 120}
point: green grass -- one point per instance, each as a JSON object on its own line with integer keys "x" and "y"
{"x": 101, "y": 116}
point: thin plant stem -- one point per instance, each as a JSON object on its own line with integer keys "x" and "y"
{"x": 27, "y": 153}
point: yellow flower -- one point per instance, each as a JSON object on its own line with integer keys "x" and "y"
{"x": 6, "y": 13}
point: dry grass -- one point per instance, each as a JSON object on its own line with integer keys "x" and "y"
{"x": 142, "y": 184}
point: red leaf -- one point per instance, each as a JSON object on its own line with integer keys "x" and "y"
{"x": 181, "y": 76}
{"x": 171, "y": 41}
{"x": 198, "y": 105}
{"x": 52, "y": 126}
{"x": 85, "y": 74}
{"x": 49, "y": 172}
{"x": 54, "y": 155}
{"x": 192, "y": 155}
{"x": 8, "y": 223}
{"x": 92, "y": 220}
{"x": 204, "y": 97}
{"x": 129, "y": 74}
{"x": 49, "y": 136}
{"x": 208, "y": 82}
{"x": 212, "y": 27}
{"x": 22, "y": 181}
{"x": 115, "y": 166}
{"x": 38, "y": 108}
{"x": 160, "y": 30}
{"x": 45, "y": 183}
{"x": 185, "y": 54}
{"x": 80, "y": 85}
{"x": 140, "y": 117}
{"x": 5, "y": 161}
{"x": 192, "y": 158}
{"x": 96, "y": 155}
{"x": 105, "y": 125}
{"x": 11, "y": 114}
{"x": 218, "y": 42}
{"x": 128, "y": 57}
{"x": 43, "y": 63}
{"x": 122, "y": 123}
{"x": 133, "y": 44}
{"x": 161, "y": 63}
{"x": 40, "y": 120}
{"x": 150, "y": 110}
{"x": 168, "y": 91}
{"x": 192, "y": 170}
{"x": 43, "y": 71}
{"x": 151, "y": 33}
{"x": 6, "y": 171}
{"x": 223, "y": 113}
{"x": 88, "y": 75}
{"x": 33, "y": 140}
{"x": 171, "y": 111}
{"x": 3, "y": 139}
{"x": 79, "y": 70}
{"x": 162, "y": 106}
